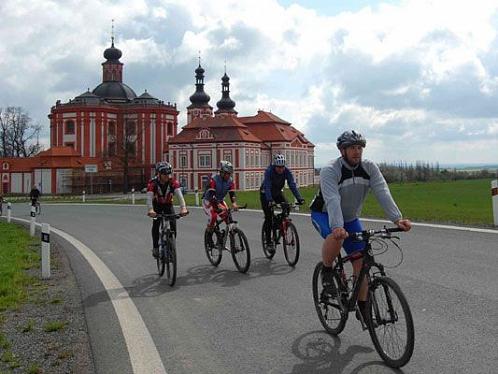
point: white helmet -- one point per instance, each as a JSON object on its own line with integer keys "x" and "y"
{"x": 279, "y": 160}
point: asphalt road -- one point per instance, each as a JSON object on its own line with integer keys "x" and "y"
{"x": 216, "y": 320}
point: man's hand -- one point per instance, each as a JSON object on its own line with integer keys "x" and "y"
{"x": 183, "y": 211}
{"x": 404, "y": 224}
{"x": 339, "y": 233}
{"x": 151, "y": 213}
{"x": 235, "y": 206}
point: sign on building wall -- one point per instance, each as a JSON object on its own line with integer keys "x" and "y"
{"x": 91, "y": 168}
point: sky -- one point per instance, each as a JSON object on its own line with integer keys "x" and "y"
{"x": 418, "y": 78}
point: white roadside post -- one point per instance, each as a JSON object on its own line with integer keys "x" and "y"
{"x": 494, "y": 197}
{"x": 196, "y": 197}
{"x": 32, "y": 224}
{"x": 133, "y": 196}
{"x": 9, "y": 211}
{"x": 83, "y": 197}
{"x": 45, "y": 251}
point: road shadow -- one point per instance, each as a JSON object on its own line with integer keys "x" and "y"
{"x": 321, "y": 354}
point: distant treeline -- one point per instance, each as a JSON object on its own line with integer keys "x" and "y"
{"x": 424, "y": 171}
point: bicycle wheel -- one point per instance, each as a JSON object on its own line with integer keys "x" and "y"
{"x": 160, "y": 260}
{"x": 171, "y": 261}
{"x": 213, "y": 254}
{"x": 239, "y": 247}
{"x": 391, "y": 323}
{"x": 268, "y": 253}
{"x": 291, "y": 244}
{"x": 330, "y": 311}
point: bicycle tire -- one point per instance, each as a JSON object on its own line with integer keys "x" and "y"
{"x": 213, "y": 254}
{"x": 171, "y": 261}
{"x": 268, "y": 254}
{"x": 289, "y": 257}
{"x": 160, "y": 262}
{"x": 323, "y": 306}
{"x": 381, "y": 298}
{"x": 240, "y": 250}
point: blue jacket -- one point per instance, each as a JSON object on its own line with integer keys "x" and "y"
{"x": 273, "y": 183}
{"x": 218, "y": 188}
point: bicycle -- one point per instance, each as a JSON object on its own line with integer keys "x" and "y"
{"x": 37, "y": 206}
{"x": 384, "y": 314}
{"x": 239, "y": 246}
{"x": 282, "y": 227}
{"x": 167, "y": 248}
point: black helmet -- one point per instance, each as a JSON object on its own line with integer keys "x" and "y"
{"x": 349, "y": 138}
{"x": 226, "y": 166}
{"x": 164, "y": 167}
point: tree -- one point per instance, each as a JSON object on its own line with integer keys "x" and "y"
{"x": 18, "y": 134}
{"x": 122, "y": 147}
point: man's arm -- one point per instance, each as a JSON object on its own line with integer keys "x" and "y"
{"x": 267, "y": 185}
{"x": 292, "y": 185}
{"x": 150, "y": 196}
{"x": 179, "y": 195}
{"x": 381, "y": 191}
{"x": 329, "y": 185}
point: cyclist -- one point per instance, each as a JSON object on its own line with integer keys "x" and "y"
{"x": 271, "y": 191}
{"x": 34, "y": 195}
{"x": 216, "y": 189}
{"x": 160, "y": 191}
{"x": 335, "y": 210}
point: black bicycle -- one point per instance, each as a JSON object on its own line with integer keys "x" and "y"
{"x": 388, "y": 318}
{"x": 166, "y": 261}
{"x": 215, "y": 242}
{"x": 281, "y": 228}
{"x": 37, "y": 206}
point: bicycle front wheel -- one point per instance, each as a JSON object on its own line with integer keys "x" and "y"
{"x": 239, "y": 247}
{"x": 391, "y": 323}
{"x": 291, "y": 244}
{"x": 170, "y": 261}
{"x": 212, "y": 252}
{"x": 161, "y": 260}
{"x": 269, "y": 252}
{"x": 330, "y": 312}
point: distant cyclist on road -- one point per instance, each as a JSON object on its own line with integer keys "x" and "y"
{"x": 335, "y": 211}
{"x": 34, "y": 195}
{"x": 213, "y": 199}
{"x": 271, "y": 191}
{"x": 160, "y": 191}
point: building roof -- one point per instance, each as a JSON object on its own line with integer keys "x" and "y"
{"x": 221, "y": 129}
{"x": 271, "y": 128}
{"x": 112, "y": 90}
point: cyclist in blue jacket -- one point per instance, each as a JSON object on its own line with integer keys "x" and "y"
{"x": 271, "y": 191}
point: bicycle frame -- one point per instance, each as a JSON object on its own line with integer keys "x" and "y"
{"x": 282, "y": 219}
{"x": 368, "y": 264}
{"x": 230, "y": 226}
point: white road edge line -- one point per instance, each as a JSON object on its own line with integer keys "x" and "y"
{"x": 432, "y": 225}
{"x": 143, "y": 353}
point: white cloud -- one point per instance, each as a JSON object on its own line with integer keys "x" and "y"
{"x": 423, "y": 74}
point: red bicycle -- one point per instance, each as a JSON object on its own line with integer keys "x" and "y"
{"x": 282, "y": 228}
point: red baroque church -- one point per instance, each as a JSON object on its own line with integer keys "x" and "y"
{"x": 247, "y": 142}
{"x": 89, "y": 137}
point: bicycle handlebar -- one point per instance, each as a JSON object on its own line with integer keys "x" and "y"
{"x": 170, "y": 216}
{"x": 366, "y": 234}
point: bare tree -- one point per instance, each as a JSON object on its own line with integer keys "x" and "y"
{"x": 122, "y": 147}
{"x": 18, "y": 134}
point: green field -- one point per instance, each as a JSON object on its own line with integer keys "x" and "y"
{"x": 16, "y": 256}
{"x": 462, "y": 202}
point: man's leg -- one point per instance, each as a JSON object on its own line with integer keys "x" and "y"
{"x": 155, "y": 237}
{"x": 171, "y": 210}
{"x": 268, "y": 218}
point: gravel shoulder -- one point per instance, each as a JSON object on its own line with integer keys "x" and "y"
{"x": 48, "y": 333}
